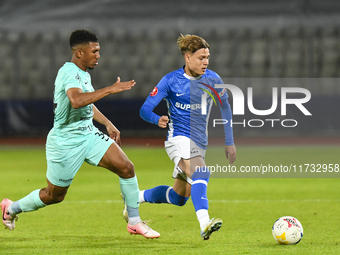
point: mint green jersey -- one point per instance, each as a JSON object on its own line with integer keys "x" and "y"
{"x": 73, "y": 139}
{"x": 71, "y": 125}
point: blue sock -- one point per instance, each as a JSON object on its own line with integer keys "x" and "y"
{"x": 199, "y": 198}
{"x": 164, "y": 194}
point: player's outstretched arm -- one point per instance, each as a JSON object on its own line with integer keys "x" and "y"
{"x": 80, "y": 99}
{"x": 119, "y": 86}
{"x": 230, "y": 152}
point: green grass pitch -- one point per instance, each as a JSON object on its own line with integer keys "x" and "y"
{"x": 89, "y": 221}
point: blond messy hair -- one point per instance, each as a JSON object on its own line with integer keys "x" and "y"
{"x": 191, "y": 43}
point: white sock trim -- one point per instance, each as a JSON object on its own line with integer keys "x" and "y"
{"x": 167, "y": 195}
{"x": 141, "y": 196}
{"x": 203, "y": 218}
{"x": 134, "y": 220}
{"x": 200, "y": 181}
{"x": 202, "y": 213}
{"x": 9, "y": 210}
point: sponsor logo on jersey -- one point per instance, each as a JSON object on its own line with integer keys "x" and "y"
{"x": 187, "y": 106}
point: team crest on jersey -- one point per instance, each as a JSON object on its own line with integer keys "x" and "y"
{"x": 154, "y": 92}
{"x": 77, "y": 77}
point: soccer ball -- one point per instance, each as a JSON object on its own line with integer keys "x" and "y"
{"x": 287, "y": 230}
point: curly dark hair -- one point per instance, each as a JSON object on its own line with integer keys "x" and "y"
{"x": 82, "y": 36}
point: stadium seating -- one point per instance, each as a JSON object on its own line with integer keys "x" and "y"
{"x": 30, "y": 61}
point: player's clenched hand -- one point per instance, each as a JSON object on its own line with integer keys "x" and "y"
{"x": 121, "y": 86}
{"x": 163, "y": 121}
{"x": 230, "y": 152}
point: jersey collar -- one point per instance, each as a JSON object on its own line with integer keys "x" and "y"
{"x": 190, "y": 77}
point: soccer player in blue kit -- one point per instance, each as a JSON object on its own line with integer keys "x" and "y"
{"x": 74, "y": 139}
{"x": 187, "y": 139}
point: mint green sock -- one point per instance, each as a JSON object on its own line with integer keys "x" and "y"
{"x": 31, "y": 202}
{"x": 130, "y": 191}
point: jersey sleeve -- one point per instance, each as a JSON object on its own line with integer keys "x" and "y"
{"x": 154, "y": 98}
{"x": 71, "y": 80}
{"x": 227, "y": 115}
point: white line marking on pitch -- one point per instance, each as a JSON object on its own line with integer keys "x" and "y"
{"x": 218, "y": 201}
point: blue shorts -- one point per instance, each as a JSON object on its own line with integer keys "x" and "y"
{"x": 64, "y": 163}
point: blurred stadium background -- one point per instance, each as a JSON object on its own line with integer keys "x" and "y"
{"x": 248, "y": 39}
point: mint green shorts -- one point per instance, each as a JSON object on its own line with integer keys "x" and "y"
{"x": 64, "y": 162}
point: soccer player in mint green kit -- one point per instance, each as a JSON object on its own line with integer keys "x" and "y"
{"x": 74, "y": 139}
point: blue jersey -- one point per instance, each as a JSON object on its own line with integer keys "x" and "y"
{"x": 185, "y": 97}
